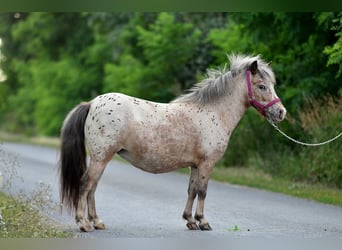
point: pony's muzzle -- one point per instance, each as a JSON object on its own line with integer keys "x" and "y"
{"x": 276, "y": 113}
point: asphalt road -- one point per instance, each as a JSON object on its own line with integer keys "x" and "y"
{"x": 133, "y": 203}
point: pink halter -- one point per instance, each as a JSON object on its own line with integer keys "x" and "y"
{"x": 257, "y": 105}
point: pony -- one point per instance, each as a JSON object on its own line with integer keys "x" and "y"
{"x": 191, "y": 131}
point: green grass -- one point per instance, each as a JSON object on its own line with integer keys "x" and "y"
{"x": 256, "y": 178}
{"x": 22, "y": 221}
{"x": 37, "y": 140}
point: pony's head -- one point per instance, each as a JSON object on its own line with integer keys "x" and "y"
{"x": 261, "y": 94}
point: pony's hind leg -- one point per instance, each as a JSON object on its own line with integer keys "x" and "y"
{"x": 192, "y": 192}
{"x": 92, "y": 215}
{"x": 90, "y": 180}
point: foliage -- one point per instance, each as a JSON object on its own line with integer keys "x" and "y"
{"x": 124, "y": 77}
{"x": 322, "y": 119}
{"x": 228, "y": 40}
{"x": 334, "y": 51}
{"x": 49, "y": 71}
{"x": 165, "y": 47}
{"x": 319, "y": 120}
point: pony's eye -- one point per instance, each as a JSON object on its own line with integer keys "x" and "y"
{"x": 262, "y": 87}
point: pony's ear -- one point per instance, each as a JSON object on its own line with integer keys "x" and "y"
{"x": 254, "y": 67}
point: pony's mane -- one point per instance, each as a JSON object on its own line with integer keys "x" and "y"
{"x": 218, "y": 82}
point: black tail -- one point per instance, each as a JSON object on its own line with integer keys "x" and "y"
{"x": 72, "y": 163}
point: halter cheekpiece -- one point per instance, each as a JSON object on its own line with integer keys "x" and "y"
{"x": 257, "y": 105}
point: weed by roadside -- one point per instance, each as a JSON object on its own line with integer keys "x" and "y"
{"x": 21, "y": 217}
{"x": 235, "y": 228}
{"x": 20, "y": 220}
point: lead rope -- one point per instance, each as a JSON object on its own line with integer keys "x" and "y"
{"x": 303, "y": 143}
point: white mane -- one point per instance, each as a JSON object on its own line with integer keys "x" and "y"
{"x": 219, "y": 81}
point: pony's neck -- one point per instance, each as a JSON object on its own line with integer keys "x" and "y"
{"x": 234, "y": 104}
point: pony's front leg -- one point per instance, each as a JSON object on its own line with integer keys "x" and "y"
{"x": 203, "y": 178}
{"x": 192, "y": 192}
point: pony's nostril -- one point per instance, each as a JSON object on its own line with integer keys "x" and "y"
{"x": 282, "y": 114}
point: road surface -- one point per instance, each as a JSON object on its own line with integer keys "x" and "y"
{"x": 133, "y": 203}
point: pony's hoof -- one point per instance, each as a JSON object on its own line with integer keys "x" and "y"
{"x": 205, "y": 227}
{"x": 192, "y": 226}
{"x": 86, "y": 228}
{"x": 100, "y": 226}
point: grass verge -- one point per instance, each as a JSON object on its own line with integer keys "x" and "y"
{"x": 256, "y": 178}
{"x": 19, "y": 220}
{"x": 39, "y": 140}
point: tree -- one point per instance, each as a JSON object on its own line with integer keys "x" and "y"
{"x": 50, "y": 66}
{"x": 156, "y": 61}
{"x": 334, "y": 51}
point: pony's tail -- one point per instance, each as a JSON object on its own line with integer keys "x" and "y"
{"x": 72, "y": 164}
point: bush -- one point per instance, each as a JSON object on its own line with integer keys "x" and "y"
{"x": 322, "y": 119}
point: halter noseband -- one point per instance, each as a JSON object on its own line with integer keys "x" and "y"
{"x": 257, "y": 105}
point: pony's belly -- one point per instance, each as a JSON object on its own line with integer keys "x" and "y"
{"x": 154, "y": 164}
